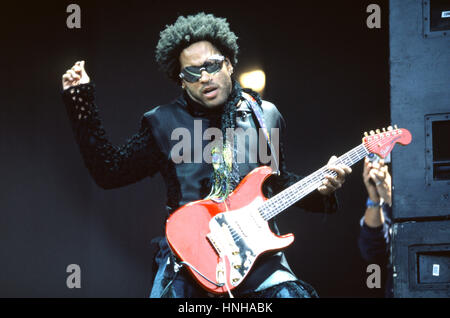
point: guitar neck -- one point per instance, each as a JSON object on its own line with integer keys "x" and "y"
{"x": 283, "y": 200}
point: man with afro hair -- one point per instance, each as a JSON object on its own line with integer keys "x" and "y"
{"x": 199, "y": 52}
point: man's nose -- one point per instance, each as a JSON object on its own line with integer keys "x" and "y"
{"x": 206, "y": 77}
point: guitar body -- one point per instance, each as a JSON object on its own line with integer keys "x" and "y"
{"x": 223, "y": 240}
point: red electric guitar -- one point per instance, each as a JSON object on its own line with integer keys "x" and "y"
{"x": 219, "y": 242}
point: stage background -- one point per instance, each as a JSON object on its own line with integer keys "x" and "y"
{"x": 327, "y": 72}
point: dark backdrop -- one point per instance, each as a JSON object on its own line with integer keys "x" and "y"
{"x": 326, "y": 71}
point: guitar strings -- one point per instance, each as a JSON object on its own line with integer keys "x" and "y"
{"x": 277, "y": 205}
{"x": 284, "y": 199}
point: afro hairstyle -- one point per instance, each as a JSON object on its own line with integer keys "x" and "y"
{"x": 189, "y": 30}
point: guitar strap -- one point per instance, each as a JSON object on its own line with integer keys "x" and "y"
{"x": 254, "y": 106}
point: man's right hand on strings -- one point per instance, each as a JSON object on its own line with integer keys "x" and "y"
{"x": 75, "y": 76}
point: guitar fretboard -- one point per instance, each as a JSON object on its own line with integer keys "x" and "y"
{"x": 302, "y": 188}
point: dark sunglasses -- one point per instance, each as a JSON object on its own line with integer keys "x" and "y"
{"x": 212, "y": 65}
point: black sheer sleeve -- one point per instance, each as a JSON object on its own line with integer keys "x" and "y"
{"x": 111, "y": 166}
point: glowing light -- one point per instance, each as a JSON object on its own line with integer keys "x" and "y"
{"x": 255, "y": 80}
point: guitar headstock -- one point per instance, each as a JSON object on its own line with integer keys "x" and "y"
{"x": 382, "y": 142}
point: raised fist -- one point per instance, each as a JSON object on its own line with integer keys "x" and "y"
{"x": 75, "y": 76}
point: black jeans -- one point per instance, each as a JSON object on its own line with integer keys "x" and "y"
{"x": 180, "y": 288}
{"x": 293, "y": 289}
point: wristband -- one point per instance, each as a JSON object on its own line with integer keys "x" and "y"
{"x": 371, "y": 204}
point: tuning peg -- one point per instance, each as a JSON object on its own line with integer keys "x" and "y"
{"x": 389, "y": 128}
{"x": 377, "y": 131}
{"x": 384, "y": 129}
{"x": 366, "y": 134}
{"x": 372, "y": 132}
{"x": 395, "y": 126}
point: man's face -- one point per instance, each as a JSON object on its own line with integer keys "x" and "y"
{"x": 211, "y": 90}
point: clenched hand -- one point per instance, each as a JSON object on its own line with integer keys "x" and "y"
{"x": 75, "y": 76}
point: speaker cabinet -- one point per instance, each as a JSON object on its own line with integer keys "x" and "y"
{"x": 421, "y": 259}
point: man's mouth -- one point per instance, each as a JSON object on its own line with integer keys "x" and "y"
{"x": 210, "y": 91}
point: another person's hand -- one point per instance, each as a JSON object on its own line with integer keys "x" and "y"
{"x": 380, "y": 187}
{"x": 331, "y": 183}
{"x": 75, "y": 76}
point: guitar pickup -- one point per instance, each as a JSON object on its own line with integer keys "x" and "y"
{"x": 213, "y": 243}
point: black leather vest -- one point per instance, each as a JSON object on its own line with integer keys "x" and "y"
{"x": 173, "y": 123}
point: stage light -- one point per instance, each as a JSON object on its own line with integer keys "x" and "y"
{"x": 255, "y": 80}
